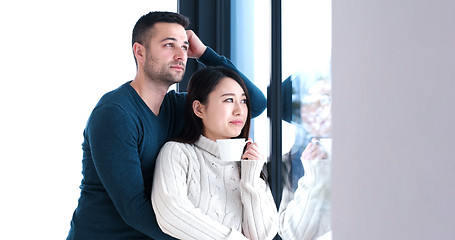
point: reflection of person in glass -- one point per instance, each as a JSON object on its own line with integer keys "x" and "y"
{"x": 305, "y": 213}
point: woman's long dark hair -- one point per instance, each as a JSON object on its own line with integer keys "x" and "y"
{"x": 201, "y": 84}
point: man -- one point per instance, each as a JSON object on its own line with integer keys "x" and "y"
{"x": 129, "y": 125}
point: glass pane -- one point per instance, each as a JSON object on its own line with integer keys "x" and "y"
{"x": 306, "y": 51}
{"x": 262, "y": 66}
{"x": 250, "y": 51}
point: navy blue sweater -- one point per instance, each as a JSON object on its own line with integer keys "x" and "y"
{"x": 122, "y": 139}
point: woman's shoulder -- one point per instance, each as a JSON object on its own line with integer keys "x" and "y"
{"x": 177, "y": 144}
{"x": 177, "y": 154}
{"x": 174, "y": 147}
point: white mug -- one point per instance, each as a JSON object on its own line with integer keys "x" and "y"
{"x": 326, "y": 144}
{"x": 231, "y": 149}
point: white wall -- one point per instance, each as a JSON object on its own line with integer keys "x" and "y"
{"x": 56, "y": 60}
{"x": 393, "y": 119}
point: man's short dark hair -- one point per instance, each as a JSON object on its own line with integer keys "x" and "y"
{"x": 146, "y": 22}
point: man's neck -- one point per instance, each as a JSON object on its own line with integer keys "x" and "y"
{"x": 151, "y": 92}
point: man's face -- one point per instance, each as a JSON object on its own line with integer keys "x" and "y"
{"x": 166, "y": 53}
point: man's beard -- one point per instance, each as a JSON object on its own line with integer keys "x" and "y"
{"x": 157, "y": 72}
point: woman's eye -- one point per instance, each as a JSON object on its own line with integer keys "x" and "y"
{"x": 229, "y": 100}
{"x": 244, "y": 100}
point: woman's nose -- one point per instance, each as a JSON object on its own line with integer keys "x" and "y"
{"x": 238, "y": 108}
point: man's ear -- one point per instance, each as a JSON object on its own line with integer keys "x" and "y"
{"x": 139, "y": 52}
{"x": 198, "y": 108}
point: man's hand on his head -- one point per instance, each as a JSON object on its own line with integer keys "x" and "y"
{"x": 197, "y": 48}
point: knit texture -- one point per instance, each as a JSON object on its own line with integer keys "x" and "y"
{"x": 122, "y": 139}
{"x": 196, "y": 195}
{"x": 305, "y": 214}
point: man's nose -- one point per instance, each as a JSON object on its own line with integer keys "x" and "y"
{"x": 180, "y": 54}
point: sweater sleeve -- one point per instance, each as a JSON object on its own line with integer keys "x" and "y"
{"x": 175, "y": 213}
{"x": 307, "y": 215}
{"x": 257, "y": 98}
{"x": 260, "y": 217}
{"x": 113, "y": 145}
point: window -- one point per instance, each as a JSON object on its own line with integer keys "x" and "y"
{"x": 306, "y": 114}
{"x": 286, "y": 45}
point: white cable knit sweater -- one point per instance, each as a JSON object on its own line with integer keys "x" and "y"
{"x": 196, "y": 195}
{"x": 305, "y": 214}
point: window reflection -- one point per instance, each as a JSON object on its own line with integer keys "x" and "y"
{"x": 306, "y": 45}
{"x": 305, "y": 206}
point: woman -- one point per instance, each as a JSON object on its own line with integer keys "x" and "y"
{"x": 195, "y": 194}
{"x": 305, "y": 214}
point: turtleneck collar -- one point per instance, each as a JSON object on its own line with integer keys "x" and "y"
{"x": 208, "y": 145}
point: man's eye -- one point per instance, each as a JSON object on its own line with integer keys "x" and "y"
{"x": 185, "y": 48}
{"x": 169, "y": 45}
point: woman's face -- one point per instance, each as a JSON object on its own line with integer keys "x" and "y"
{"x": 225, "y": 111}
{"x": 316, "y": 110}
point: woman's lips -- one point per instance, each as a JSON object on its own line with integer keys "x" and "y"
{"x": 237, "y": 122}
